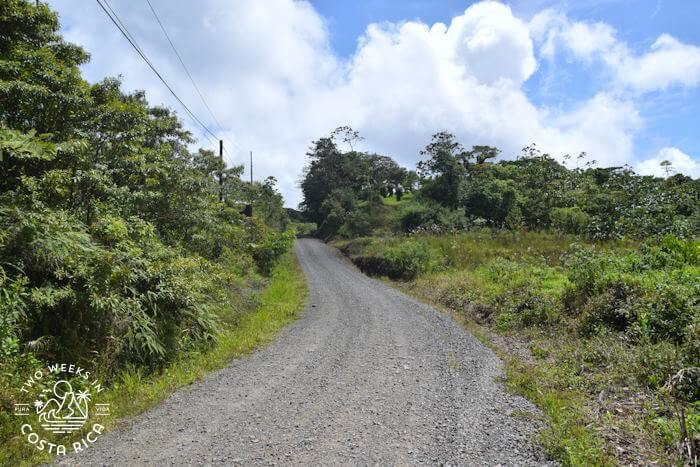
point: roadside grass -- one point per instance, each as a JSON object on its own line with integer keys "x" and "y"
{"x": 600, "y": 388}
{"x": 133, "y": 392}
{"x": 567, "y": 438}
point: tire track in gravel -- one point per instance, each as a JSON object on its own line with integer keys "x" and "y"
{"x": 367, "y": 375}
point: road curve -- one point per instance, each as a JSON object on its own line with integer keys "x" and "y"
{"x": 367, "y": 375}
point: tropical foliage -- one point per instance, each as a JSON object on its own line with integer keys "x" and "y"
{"x": 115, "y": 248}
{"x": 457, "y": 189}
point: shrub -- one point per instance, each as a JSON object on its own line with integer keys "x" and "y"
{"x": 653, "y": 296}
{"x": 357, "y": 224}
{"x": 14, "y": 361}
{"x": 432, "y": 219}
{"x": 613, "y": 307}
{"x": 304, "y": 229}
{"x": 692, "y": 343}
{"x": 671, "y": 251}
{"x": 524, "y": 306}
{"x": 405, "y": 260}
{"x": 377, "y": 266}
{"x": 417, "y": 216}
{"x": 667, "y": 311}
{"x": 411, "y": 258}
{"x": 570, "y": 220}
{"x": 656, "y": 363}
{"x": 114, "y": 292}
{"x": 355, "y": 246}
{"x": 591, "y": 274}
{"x": 268, "y": 246}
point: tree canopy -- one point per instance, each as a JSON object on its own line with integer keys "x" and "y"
{"x": 457, "y": 188}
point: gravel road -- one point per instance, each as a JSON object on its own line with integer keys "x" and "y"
{"x": 367, "y": 375}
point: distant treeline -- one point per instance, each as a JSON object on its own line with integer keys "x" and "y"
{"x": 457, "y": 189}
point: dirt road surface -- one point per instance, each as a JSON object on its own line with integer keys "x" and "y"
{"x": 367, "y": 375}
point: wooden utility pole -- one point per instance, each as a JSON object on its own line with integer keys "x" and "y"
{"x": 221, "y": 171}
{"x": 251, "y": 166}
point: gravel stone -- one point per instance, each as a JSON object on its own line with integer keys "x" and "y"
{"x": 367, "y": 375}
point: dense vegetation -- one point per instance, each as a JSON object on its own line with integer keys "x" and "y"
{"x": 458, "y": 189}
{"x": 590, "y": 276}
{"x": 342, "y": 191}
{"x": 115, "y": 249}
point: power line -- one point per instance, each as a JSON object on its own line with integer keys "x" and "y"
{"x": 187, "y": 71}
{"x": 125, "y": 32}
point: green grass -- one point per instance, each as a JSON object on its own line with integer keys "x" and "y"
{"x": 407, "y": 198}
{"x": 133, "y": 392}
{"x": 509, "y": 289}
{"x": 567, "y": 437}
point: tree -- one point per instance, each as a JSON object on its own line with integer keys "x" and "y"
{"x": 368, "y": 176}
{"x": 482, "y": 153}
{"x": 41, "y": 87}
{"x": 444, "y": 171}
{"x": 543, "y": 185}
{"x": 667, "y": 166}
{"x": 347, "y": 135}
{"x": 321, "y": 177}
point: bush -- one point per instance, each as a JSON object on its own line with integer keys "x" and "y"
{"x": 304, "y": 229}
{"x": 667, "y": 311}
{"x": 432, "y": 219}
{"x": 357, "y": 224}
{"x": 524, "y": 306}
{"x": 653, "y": 296}
{"x": 405, "y": 260}
{"x": 656, "y": 363}
{"x": 670, "y": 252}
{"x": 14, "y": 361}
{"x": 692, "y": 343}
{"x": 417, "y": 216}
{"x": 613, "y": 308}
{"x": 591, "y": 273}
{"x": 570, "y": 220}
{"x": 268, "y": 245}
{"x": 412, "y": 258}
{"x": 114, "y": 292}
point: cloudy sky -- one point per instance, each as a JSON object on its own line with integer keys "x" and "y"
{"x": 618, "y": 79}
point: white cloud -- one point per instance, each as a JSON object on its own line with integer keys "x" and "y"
{"x": 680, "y": 163}
{"x": 603, "y": 127}
{"x": 270, "y": 76}
{"x": 411, "y": 80}
{"x": 488, "y": 30}
{"x": 668, "y": 62}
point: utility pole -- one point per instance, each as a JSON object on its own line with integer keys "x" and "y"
{"x": 248, "y": 210}
{"x": 221, "y": 171}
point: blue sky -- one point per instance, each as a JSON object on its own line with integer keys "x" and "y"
{"x": 637, "y": 21}
{"x": 671, "y": 117}
{"x": 618, "y": 79}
